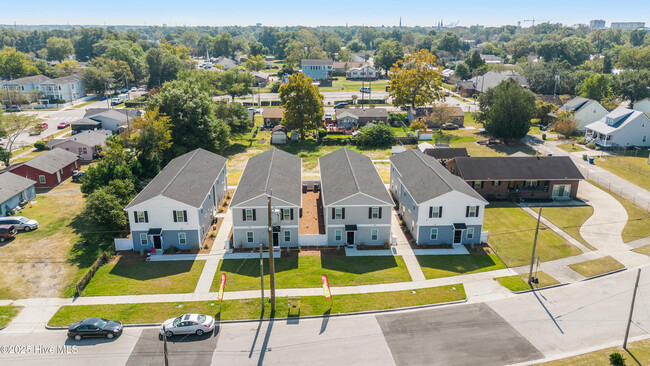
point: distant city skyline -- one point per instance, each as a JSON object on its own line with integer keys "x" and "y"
{"x": 423, "y": 13}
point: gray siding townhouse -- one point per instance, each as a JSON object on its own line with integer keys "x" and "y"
{"x": 436, "y": 206}
{"x": 14, "y": 190}
{"x": 272, "y": 173}
{"x": 178, "y": 206}
{"x": 356, "y": 204}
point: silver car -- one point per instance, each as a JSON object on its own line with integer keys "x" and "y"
{"x": 188, "y": 324}
{"x": 19, "y": 222}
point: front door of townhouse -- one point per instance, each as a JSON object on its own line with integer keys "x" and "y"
{"x": 276, "y": 239}
{"x": 458, "y": 236}
{"x": 157, "y": 243}
{"x": 350, "y": 238}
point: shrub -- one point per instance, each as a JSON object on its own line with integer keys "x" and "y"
{"x": 580, "y": 140}
{"x": 275, "y": 87}
{"x": 322, "y": 133}
{"x": 616, "y": 359}
{"x": 39, "y": 145}
{"x": 265, "y": 103}
{"x": 591, "y": 145}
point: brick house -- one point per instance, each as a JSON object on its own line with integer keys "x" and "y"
{"x": 49, "y": 169}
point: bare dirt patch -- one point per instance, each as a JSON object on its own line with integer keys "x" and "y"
{"x": 312, "y": 220}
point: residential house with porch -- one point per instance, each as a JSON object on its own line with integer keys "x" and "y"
{"x": 14, "y": 191}
{"x": 357, "y": 117}
{"x": 272, "y": 116}
{"x": 180, "y": 204}
{"x": 340, "y": 68}
{"x": 356, "y": 204}
{"x": 365, "y": 72}
{"x": 24, "y": 85}
{"x": 85, "y": 144}
{"x": 276, "y": 174}
{"x": 585, "y": 111}
{"x": 519, "y": 177}
{"x": 48, "y": 169}
{"x": 317, "y": 69}
{"x": 67, "y": 88}
{"x": 437, "y": 207}
{"x": 620, "y": 127}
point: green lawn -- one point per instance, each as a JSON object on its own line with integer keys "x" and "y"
{"x": 250, "y": 308}
{"x": 143, "y": 278}
{"x": 90, "y": 101}
{"x": 597, "y": 267}
{"x": 518, "y": 283}
{"x": 639, "y": 351}
{"x": 436, "y": 266}
{"x": 571, "y": 147}
{"x": 511, "y": 235}
{"x": 643, "y": 250}
{"x": 638, "y": 219}
{"x": 634, "y": 169}
{"x": 353, "y": 86}
{"x": 7, "y": 313}
{"x": 570, "y": 219}
{"x": 305, "y": 271}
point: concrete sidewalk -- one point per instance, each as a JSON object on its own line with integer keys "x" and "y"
{"x": 216, "y": 254}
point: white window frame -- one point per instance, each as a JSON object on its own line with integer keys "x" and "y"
{"x": 338, "y": 235}
{"x": 41, "y": 179}
{"x": 374, "y": 234}
{"x": 287, "y": 232}
{"x": 433, "y": 235}
{"x": 470, "y": 233}
{"x": 477, "y": 184}
{"x": 249, "y": 214}
{"x": 180, "y": 218}
{"x": 338, "y": 213}
{"x": 286, "y": 214}
{"x": 141, "y": 216}
{"x": 531, "y": 183}
{"x": 375, "y": 213}
{"x": 250, "y": 237}
{"x": 435, "y": 212}
{"x": 144, "y": 239}
{"x": 182, "y": 241}
{"x": 472, "y": 212}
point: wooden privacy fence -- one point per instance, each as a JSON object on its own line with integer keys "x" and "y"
{"x": 83, "y": 282}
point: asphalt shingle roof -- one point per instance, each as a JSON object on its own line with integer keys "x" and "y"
{"x": 12, "y": 184}
{"x": 518, "y": 168}
{"x": 36, "y": 79}
{"x": 425, "y": 178}
{"x": 311, "y": 62}
{"x": 52, "y": 161}
{"x": 577, "y": 104}
{"x": 88, "y": 138}
{"x": 273, "y": 171}
{"x": 187, "y": 179}
{"x": 447, "y": 152}
{"x": 345, "y": 173}
{"x": 364, "y": 112}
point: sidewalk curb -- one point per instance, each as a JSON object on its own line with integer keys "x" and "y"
{"x": 540, "y": 289}
{"x": 300, "y": 317}
{"x": 605, "y": 274}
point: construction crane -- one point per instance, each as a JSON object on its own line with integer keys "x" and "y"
{"x": 538, "y": 20}
{"x": 530, "y": 20}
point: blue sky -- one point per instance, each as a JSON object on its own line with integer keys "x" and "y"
{"x": 310, "y": 13}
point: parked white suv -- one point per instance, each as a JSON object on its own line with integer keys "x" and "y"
{"x": 19, "y": 222}
{"x": 188, "y": 324}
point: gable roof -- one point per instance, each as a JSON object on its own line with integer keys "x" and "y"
{"x": 187, "y": 179}
{"x": 447, "y": 152}
{"x": 36, "y": 79}
{"x": 619, "y": 117}
{"x": 576, "y": 104}
{"x": 350, "y": 65}
{"x": 345, "y": 173}
{"x": 12, "y": 184}
{"x": 492, "y": 79}
{"x": 273, "y": 113}
{"x": 425, "y": 178}
{"x": 517, "y": 168}
{"x": 52, "y": 161}
{"x": 88, "y": 138}
{"x": 273, "y": 171}
{"x": 364, "y": 113}
{"x": 314, "y": 62}
{"x": 64, "y": 80}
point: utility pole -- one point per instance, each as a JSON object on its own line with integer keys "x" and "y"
{"x": 271, "y": 263}
{"x": 629, "y": 320}
{"x": 532, "y": 259}
{"x": 557, "y": 78}
{"x": 165, "y": 346}
{"x": 262, "y": 274}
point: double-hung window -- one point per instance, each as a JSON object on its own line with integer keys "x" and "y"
{"x": 182, "y": 239}
{"x": 287, "y": 235}
{"x": 338, "y": 235}
{"x": 472, "y": 211}
{"x": 470, "y": 233}
{"x": 249, "y": 236}
{"x": 143, "y": 239}
{"x": 435, "y": 212}
{"x": 286, "y": 214}
{"x": 180, "y": 216}
{"x": 338, "y": 213}
{"x": 141, "y": 216}
{"x": 374, "y": 234}
{"x": 249, "y": 214}
{"x": 434, "y": 234}
{"x": 374, "y": 214}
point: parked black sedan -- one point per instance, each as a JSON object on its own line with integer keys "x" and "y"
{"x": 95, "y": 327}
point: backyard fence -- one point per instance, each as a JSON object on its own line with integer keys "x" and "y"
{"x": 639, "y": 199}
{"x": 123, "y": 243}
{"x": 83, "y": 282}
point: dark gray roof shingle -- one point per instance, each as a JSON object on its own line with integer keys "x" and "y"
{"x": 187, "y": 179}
{"x": 518, "y": 168}
{"x": 425, "y": 178}
{"x": 12, "y": 184}
{"x": 52, "y": 161}
{"x": 88, "y": 138}
{"x": 447, "y": 152}
{"x": 345, "y": 173}
{"x": 273, "y": 171}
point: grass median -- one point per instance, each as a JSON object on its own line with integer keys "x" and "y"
{"x": 570, "y": 220}
{"x": 519, "y": 282}
{"x": 597, "y": 267}
{"x": 637, "y": 353}
{"x": 250, "y": 308}
{"x": 638, "y": 219}
{"x": 436, "y": 266}
{"x": 7, "y": 313}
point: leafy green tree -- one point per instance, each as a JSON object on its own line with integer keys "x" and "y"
{"x": 257, "y": 48}
{"x": 425, "y": 42}
{"x": 235, "y": 115}
{"x": 634, "y": 58}
{"x": 302, "y": 103}
{"x": 13, "y": 125}
{"x": 190, "y": 38}
{"x": 126, "y": 51}
{"x": 189, "y": 104}
{"x": 542, "y": 109}
{"x": 332, "y": 46}
{"x": 59, "y": 49}
{"x": 102, "y": 73}
{"x": 116, "y": 164}
{"x": 236, "y": 83}
{"x": 632, "y": 85}
{"x": 597, "y": 87}
{"x": 388, "y": 53}
{"x": 223, "y": 45}
{"x": 152, "y": 139}
{"x": 416, "y": 80}
{"x": 14, "y": 64}
{"x": 162, "y": 67}
{"x": 355, "y": 46}
{"x": 474, "y": 60}
{"x": 565, "y": 125}
{"x": 520, "y": 47}
{"x": 268, "y": 37}
{"x": 576, "y": 50}
{"x": 462, "y": 71}
{"x": 83, "y": 44}
{"x": 637, "y": 36}
{"x": 450, "y": 42}
{"x": 255, "y": 63}
{"x": 376, "y": 136}
{"x": 506, "y": 110}
{"x": 105, "y": 208}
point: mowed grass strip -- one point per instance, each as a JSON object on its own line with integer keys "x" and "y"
{"x": 7, "y": 313}
{"x": 597, "y": 267}
{"x": 638, "y": 219}
{"x": 570, "y": 219}
{"x": 436, "y": 266}
{"x": 634, "y": 169}
{"x": 145, "y": 278}
{"x": 643, "y": 250}
{"x": 306, "y": 271}
{"x": 250, "y": 308}
{"x": 637, "y": 353}
{"x": 519, "y": 282}
{"x": 512, "y": 232}
{"x": 569, "y": 147}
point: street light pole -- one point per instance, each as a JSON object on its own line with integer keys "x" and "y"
{"x": 262, "y": 273}
{"x": 629, "y": 321}
{"x": 271, "y": 263}
{"x": 532, "y": 259}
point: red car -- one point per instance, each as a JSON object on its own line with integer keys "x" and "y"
{"x": 63, "y": 125}
{"x": 43, "y": 126}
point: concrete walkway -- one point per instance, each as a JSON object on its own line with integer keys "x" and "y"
{"x": 557, "y": 230}
{"x": 405, "y": 250}
{"x": 216, "y": 254}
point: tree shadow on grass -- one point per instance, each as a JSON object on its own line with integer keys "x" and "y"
{"x": 234, "y": 149}
{"x": 251, "y": 267}
{"x": 358, "y": 265}
{"x": 144, "y": 271}
{"x": 459, "y": 264}
{"x": 307, "y": 146}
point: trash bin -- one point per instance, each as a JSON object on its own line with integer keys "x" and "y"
{"x": 549, "y": 154}
{"x": 584, "y": 157}
{"x": 591, "y": 160}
